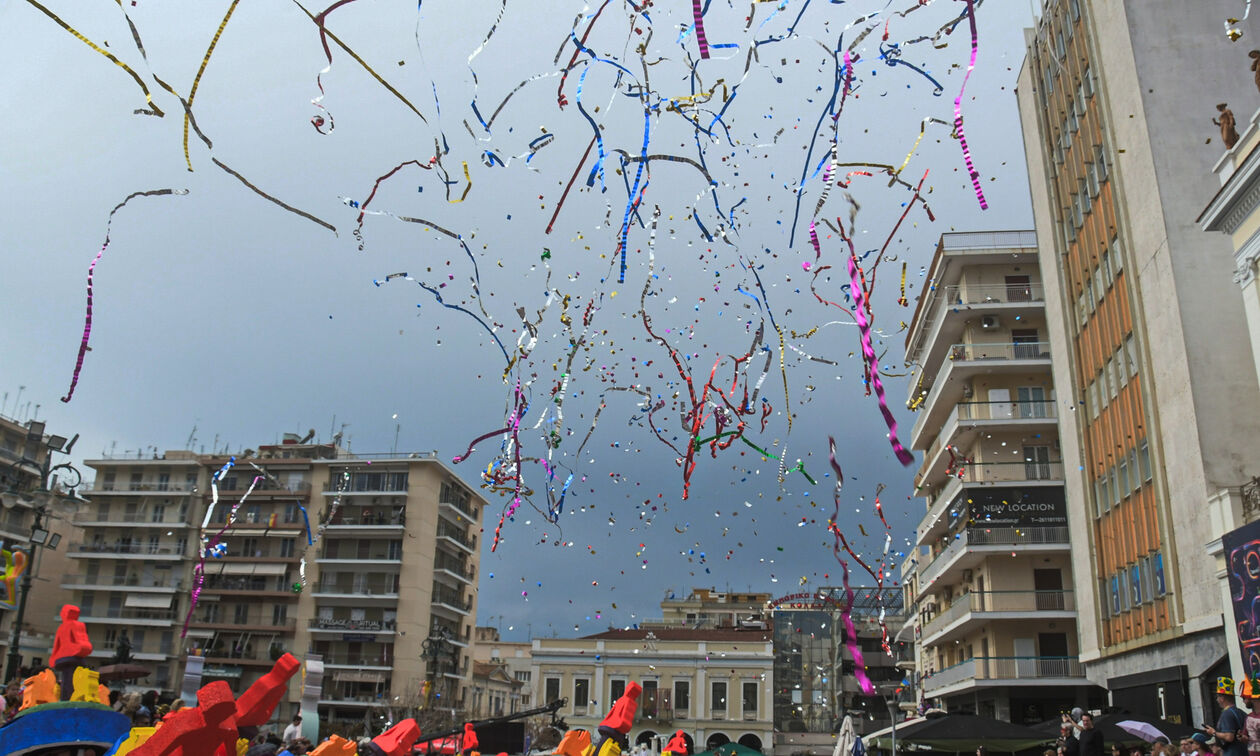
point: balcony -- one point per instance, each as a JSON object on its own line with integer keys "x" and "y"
{"x": 456, "y": 538}
{"x": 386, "y": 590}
{"x": 124, "y": 583}
{"x": 947, "y": 308}
{"x": 165, "y": 489}
{"x": 951, "y": 496}
{"x": 341, "y": 625}
{"x": 656, "y": 706}
{"x": 1005, "y": 670}
{"x": 250, "y": 624}
{"x": 355, "y": 520}
{"x": 971, "y": 546}
{"x": 980, "y": 607}
{"x": 375, "y": 556}
{"x": 382, "y": 662}
{"x": 136, "y": 519}
{"x": 968, "y": 420}
{"x": 133, "y": 617}
{"x": 454, "y": 601}
{"x": 965, "y": 361}
{"x": 254, "y": 586}
{"x": 445, "y": 566}
{"x": 458, "y": 510}
{"x": 125, "y": 551}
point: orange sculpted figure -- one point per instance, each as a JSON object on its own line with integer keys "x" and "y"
{"x": 336, "y": 746}
{"x": 71, "y": 647}
{"x": 574, "y": 743}
{"x": 40, "y": 689}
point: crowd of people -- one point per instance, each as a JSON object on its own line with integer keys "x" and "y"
{"x": 1236, "y": 733}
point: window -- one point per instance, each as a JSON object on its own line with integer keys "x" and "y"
{"x": 1101, "y": 504}
{"x": 1144, "y": 456}
{"x": 286, "y": 547}
{"x": 1083, "y": 191}
{"x": 1114, "y": 481}
{"x": 1073, "y": 121}
{"x": 1157, "y": 574}
{"x": 1075, "y": 7}
{"x": 1100, "y": 290}
{"x": 158, "y": 513}
{"x": 1078, "y": 210}
{"x": 190, "y": 481}
{"x": 1135, "y": 583}
{"x": 1101, "y": 161}
{"x": 1105, "y": 604}
{"x": 164, "y": 481}
{"x": 1093, "y": 400}
{"x": 717, "y": 696}
{"x": 1122, "y": 372}
{"x": 682, "y": 698}
{"x": 279, "y": 614}
{"x": 1124, "y": 478}
{"x": 750, "y": 699}
{"x": 581, "y": 693}
{"x": 1116, "y": 370}
{"x": 240, "y": 614}
{"x": 290, "y": 512}
{"x": 1104, "y": 391}
{"x": 1133, "y": 470}
{"x": 1091, "y": 178}
{"x": 1130, "y": 348}
{"x": 1083, "y": 310}
{"x": 249, "y": 547}
{"x": 1105, "y": 264}
{"x": 551, "y": 689}
{"x": 1117, "y": 259}
{"x": 617, "y": 690}
{"x": 1049, "y": 78}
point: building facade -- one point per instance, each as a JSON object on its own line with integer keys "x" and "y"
{"x": 814, "y": 682}
{"x": 1149, "y": 355}
{"x": 714, "y": 684}
{"x": 389, "y": 589}
{"x": 26, "y": 499}
{"x": 514, "y": 657}
{"x": 995, "y": 609}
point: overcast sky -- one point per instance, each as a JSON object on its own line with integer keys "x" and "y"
{"x": 226, "y": 318}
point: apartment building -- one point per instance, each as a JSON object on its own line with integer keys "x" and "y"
{"x": 1149, "y": 348}
{"x": 25, "y": 450}
{"x": 390, "y": 580}
{"x": 131, "y": 570}
{"x": 708, "y": 607}
{"x": 712, "y": 683}
{"x": 514, "y": 658}
{"x": 391, "y": 594}
{"x": 814, "y": 682}
{"x": 995, "y": 608}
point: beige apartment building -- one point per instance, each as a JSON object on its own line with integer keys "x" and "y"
{"x": 391, "y": 578}
{"x": 513, "y": 658}
{"x": 25, "y": 454}
{"x": 712, "y": 683}
{"x": 1146, "y": 329}
{"x": 994, "y": 604}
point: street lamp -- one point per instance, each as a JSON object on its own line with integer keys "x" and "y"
{"x": 40, "y": 535}
{"x": 437, "y": 647}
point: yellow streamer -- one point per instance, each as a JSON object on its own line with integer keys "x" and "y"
{"x": 156, "y": 111}
{"x": 192, "y": 93}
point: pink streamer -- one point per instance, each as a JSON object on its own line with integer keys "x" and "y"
{"x": 958, "y": 121}
{"x": 846, "y": 614}
{"x": 87, "y": 324}
{"x": 696, "y": 12}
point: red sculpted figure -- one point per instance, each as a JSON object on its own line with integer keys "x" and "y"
{"x": 469, "y": 742}
{"x": 616, "y": 726}
{"x": 71, "y": 647}
{"x": 677, "y": 745}
{"x": 396, "y": 741}
{"x": 255, "y": 705}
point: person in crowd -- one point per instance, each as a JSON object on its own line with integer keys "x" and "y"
{"x": 1230, "y": 731}
{"x": 1251, "y": 727}
{"x": 1090, "y": 739}
{"x": 293, "y": 730}
{"x": 1067, "y": 744}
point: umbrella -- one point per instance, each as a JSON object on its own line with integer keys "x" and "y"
{"x": 1144, "y": 730}
{"x": 962, "y": 732}
{"x": 111, "y": 672}
{"x": 846, "y": 738}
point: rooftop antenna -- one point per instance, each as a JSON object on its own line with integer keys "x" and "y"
{"x": 192, "y": 436}
{"x": 18, "y": 401}
{"x": 36, "y": 412}
{"x": 4, "y": 403}
{"x": 397, "y": 428}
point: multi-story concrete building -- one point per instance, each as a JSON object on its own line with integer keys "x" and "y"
{"x": 708, "y": 607}
{"x": 131, "y": 570}
{"x": 390, "y": 581}
{"x": 712, "y": 683}
{"x": 814, "y": 682}
{"x": 515, "y": 660}
{"x": 391, "y": 597}
{"x": 995, "y": 607}
{"x": 1150, "y": 352}
{"x": 26, "y": 500}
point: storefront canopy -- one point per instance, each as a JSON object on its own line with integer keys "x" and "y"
{"x": 959, "y": 733}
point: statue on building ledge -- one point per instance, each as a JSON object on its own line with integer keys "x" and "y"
{"x": 1229, "y": 135}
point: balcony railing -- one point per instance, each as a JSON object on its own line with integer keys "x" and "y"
{"x": 1016, "y": 412}
{"x": 1001, "y": 601}
{"x": 137, "y": 518}
{"x": 1005, "y": 668}
{"x": 361, "y": 519}
{"x": 464, "y": 510}
{"x": 452, "y": 598}
{"x": 456, "y": 567}
{"x": 138, "y": 614}
{"x": 1028, "y": 350}
{"x": 375, "y": 555}
{"x": 122, "y": 581}
{"x": 359, "y": 660}
{"x": 360, "y": 589}
{"x": 124, "y": 548}
{"x": 982, "y": 536}
{"x": 970, "y": 294}
{"x": 1010, "y": 472}
{"x": 363, "y": 625}
{"x": 468, "y": 541}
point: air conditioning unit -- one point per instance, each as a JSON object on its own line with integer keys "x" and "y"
{"x": 990, "y": 322}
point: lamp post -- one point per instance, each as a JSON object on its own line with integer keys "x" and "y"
{"x": 40, "y": 535}
{"x": 436, "y": 648}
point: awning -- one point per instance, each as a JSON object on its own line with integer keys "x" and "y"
{"x": 237, "y": 568}
{"x": 148, "y": 601}
{"x": 358, "y": 675}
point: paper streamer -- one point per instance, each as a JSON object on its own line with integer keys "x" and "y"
{"x": 698, "y": 14}
{"x": 859, "y": 662}
{"x": 87, "y": 322}
{"x": 958, "y": 120}
{"x": 192, "y": 93}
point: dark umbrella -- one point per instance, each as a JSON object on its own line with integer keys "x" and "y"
{"x": 111, "y": 672}
{"x": 1107, "y": 725}
{"x": 963, "y": 732}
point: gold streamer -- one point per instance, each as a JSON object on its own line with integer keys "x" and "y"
{"x": 156, "y": 111}
{"x": 192, "y": 94}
